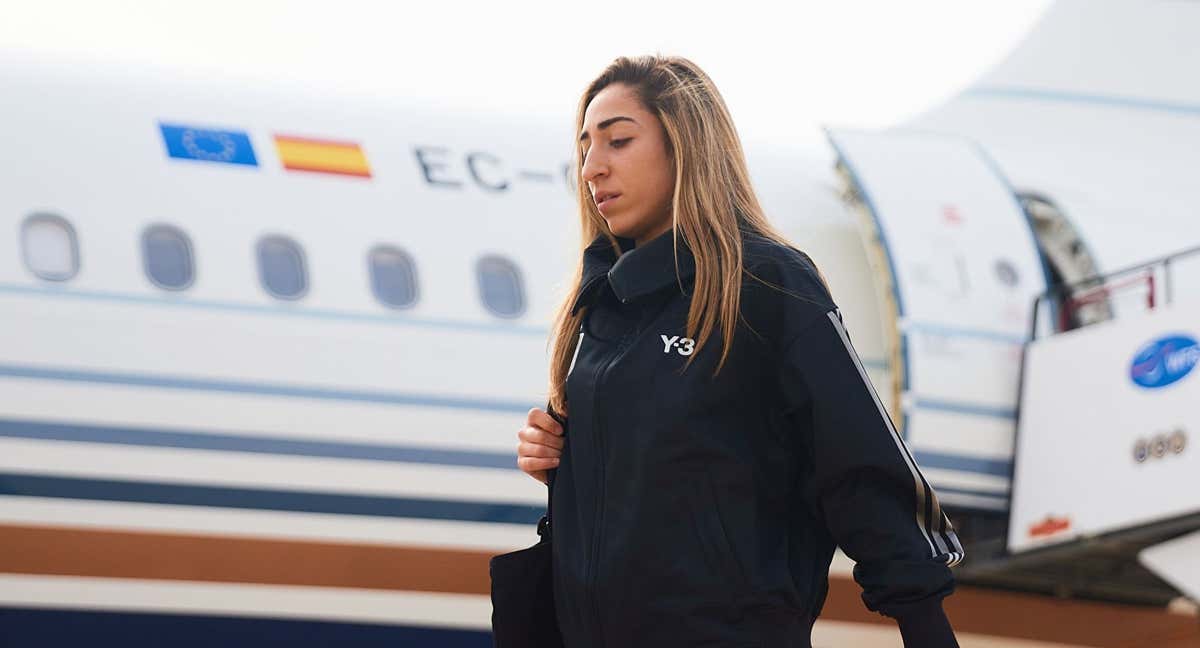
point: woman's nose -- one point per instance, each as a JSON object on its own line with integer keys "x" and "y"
{"x": 593, "y": 167}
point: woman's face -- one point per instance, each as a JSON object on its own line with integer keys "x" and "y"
{"x": 625, "y": 164}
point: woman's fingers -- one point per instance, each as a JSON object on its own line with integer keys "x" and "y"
{"x": 540, "y": 436}
{"x": 540, "y": 419}
{"x": 540, "y": 446}
{"x": 527, "y": 449}
{"x": 534, "y": 464}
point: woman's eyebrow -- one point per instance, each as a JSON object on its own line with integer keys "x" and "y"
{"x": 606, "y": 123}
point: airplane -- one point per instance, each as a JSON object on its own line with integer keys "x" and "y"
{"x": 268, "y": 350}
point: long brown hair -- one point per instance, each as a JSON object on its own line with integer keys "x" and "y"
{"x": 713, "y": 199}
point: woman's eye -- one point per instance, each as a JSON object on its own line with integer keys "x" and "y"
{"x": 618, "y": 143}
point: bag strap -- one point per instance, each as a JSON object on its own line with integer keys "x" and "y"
{"x": 544, "y": 523}
{"x": 543, "y": 528}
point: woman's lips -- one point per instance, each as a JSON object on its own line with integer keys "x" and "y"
{"x": 608, "y": 201}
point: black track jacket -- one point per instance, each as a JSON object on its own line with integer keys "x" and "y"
{"x": 690, "y": 511}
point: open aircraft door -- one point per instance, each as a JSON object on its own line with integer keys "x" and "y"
{"x": 957, "y": 270}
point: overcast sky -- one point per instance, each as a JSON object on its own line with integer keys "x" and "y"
{"x": 784, "y": 68}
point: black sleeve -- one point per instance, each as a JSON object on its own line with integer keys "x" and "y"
{"x": 862, "y": 482}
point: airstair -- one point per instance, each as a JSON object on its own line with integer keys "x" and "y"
{"x": 1054, "y": 409}
{"x": 1106, "y": 463}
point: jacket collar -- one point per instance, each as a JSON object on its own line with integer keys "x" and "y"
{"x": 640, "y": 270}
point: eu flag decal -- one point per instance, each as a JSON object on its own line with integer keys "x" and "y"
{"x": 208, "y": 145}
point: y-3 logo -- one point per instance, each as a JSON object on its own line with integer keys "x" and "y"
{"x": 682, "y": 345}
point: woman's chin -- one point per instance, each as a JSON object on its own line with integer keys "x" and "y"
{"x": 620, "y": 227}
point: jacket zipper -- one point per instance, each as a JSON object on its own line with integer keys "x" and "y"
{"x": 598, "y": 532}
{"x": 644, "y": 318}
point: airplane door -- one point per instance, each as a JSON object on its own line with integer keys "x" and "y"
{"x": 957, "y": 269}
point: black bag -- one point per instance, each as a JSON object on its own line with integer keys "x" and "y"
{"x": 523, "y": 587}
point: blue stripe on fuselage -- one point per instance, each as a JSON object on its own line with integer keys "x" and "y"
{"x": 266, "y": 499}
{"x": 57, "y": 627}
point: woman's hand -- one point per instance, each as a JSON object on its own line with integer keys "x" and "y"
{"x": 541, "y": 444}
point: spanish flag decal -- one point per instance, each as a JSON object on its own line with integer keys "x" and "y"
{"x": 322, "y": 156}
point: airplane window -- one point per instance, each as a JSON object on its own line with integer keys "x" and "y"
{"x": 281, "y": 267}
{"x": 50, "y": 247}
{"x": 393, "y": 276}
{"x": 167, "y": 257}
{"x": 500, "y": 286}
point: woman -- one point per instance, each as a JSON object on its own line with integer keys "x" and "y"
{"x": 723, "y": 435}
